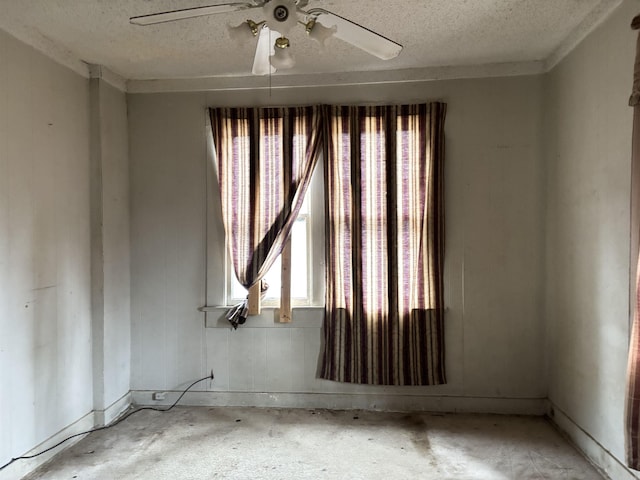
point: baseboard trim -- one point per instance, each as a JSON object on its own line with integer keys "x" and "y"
{"x": 21, "y": 468}
{"x": 113, "y": 411}
{"x": 600, "y": 457}
{"x": 340, "y": 401}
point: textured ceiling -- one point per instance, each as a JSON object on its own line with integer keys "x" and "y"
{"x": 435, "y": 33}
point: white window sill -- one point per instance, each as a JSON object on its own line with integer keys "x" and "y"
{"x": 301, "y": 317}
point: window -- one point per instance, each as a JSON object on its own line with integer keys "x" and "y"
{"x": 307, "y": 254}
{"x": 265, "y": 161}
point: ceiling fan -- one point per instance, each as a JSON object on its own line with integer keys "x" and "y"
{"x": 281, "y": 16}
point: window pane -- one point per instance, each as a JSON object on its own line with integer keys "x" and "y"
{"x": 237, "y": 291}
{"x": 299, "y": 263}
{"x": 299, "y": 259}
{"x": 273, "y": 280}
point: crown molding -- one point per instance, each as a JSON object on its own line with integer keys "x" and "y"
{"x": 334, "y": 79}
{"x": 48, "y": 47}
{"x": 594, "y": 19}
{"x": 113, "y": 79}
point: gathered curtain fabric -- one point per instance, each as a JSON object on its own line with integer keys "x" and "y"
{"x": 385, "y": 244}
{"x": 632, "y": 414}
{"x": 265, "y": 159}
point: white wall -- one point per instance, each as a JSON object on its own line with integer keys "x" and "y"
{"x": 111, "y": 325}
{"x": 494, "y": 325}
{"x": 115, "y": 178}
{"x": 45, "y": 322}
{"x": 167, "y": 154}
{"x": 588, "y": 153}
{"x": 64, "y": 231}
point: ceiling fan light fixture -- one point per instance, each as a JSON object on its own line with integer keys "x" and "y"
{"x": 282, "y": 58}
{"x": 318, "y": 32}
{"x": 245, "y": 31}
{"x": 255, "y": 27}
{"x": 355, "y": 34}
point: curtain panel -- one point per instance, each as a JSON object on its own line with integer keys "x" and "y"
{"x": 265, "y": 159}
{"x": 385, "y": 244}
{"x": 632, "y": 414}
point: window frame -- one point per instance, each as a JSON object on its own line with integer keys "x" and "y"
{"x": 315, "y": 227}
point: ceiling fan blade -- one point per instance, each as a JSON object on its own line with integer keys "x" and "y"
{"x": 192, "y": 12}
{"x": 264, "y": 49}
{"x": 357, "y": 35}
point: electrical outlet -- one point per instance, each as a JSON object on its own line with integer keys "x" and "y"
{"x": 158, "y": 395}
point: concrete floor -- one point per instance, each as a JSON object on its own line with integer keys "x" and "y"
{"x": 252, "y": 443}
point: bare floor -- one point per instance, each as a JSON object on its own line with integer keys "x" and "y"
{"x": 252, "y": 443}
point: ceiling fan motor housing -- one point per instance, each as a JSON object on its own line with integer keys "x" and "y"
{"x": 282, "y": 14}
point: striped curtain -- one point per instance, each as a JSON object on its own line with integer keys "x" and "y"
{"x": 265, "y": 158}
{"x": 633, "y": 370}
{"x": 385, "y": 244}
